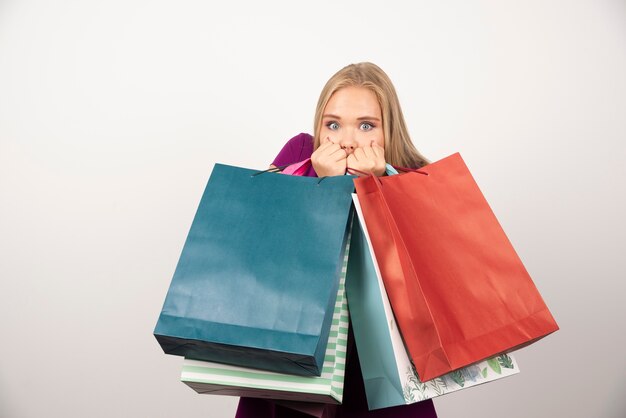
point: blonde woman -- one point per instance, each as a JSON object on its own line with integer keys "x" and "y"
{"x": 358, "y": 125}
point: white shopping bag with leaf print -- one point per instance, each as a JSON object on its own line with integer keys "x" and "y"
{"x": 389, "y": 376}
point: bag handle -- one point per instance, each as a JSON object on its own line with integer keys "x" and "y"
{"x": 300, "y": 168}
{"x": 409, "y": 170}
{"x": 391, "y": 170}
{"x": 270, "y": 170}
{"x": 296, "y": 169}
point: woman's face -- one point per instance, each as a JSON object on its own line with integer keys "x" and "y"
{"x": 353, "y": 119}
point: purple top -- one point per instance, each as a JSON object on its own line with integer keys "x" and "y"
{"x": 299, "y": 148}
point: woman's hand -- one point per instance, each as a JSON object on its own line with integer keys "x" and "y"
{"x": 329, "y": 159}
{"x": 368, "y": 159}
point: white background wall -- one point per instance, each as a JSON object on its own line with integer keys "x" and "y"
{"x": 113, "y": 113}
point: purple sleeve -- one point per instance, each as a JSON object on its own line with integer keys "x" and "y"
{"x": 298, "y": 148}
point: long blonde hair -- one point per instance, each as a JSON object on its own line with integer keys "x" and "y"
{"x": 399, "y": 150}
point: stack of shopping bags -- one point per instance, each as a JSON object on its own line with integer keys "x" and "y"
{"x": 437, "y": 296}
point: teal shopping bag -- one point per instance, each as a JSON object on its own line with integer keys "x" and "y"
{"x": 256, "y": 282}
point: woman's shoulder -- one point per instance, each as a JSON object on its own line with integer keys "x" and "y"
{"x": 298, "y": 148}
{"x": 302, "y": 140}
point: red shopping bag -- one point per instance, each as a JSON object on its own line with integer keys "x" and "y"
{"x": 458, "y": 289}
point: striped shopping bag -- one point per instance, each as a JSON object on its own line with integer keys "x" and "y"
{"x": 222, "y": 379}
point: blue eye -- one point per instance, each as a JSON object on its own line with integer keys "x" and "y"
{"x": 366, "y": 126}
{"x": 333, "y": 126}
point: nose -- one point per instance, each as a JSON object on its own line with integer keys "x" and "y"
{"x": 348, "y": 141}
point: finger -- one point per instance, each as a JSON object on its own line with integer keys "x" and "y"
{"x": 378, "y": 150}
{"x": 339, "y": 157}
{"x": 327, "y": 141}
{"x": 325, "y": 144}
{"x": 368, "y": 152}
{"x": 353, "y": 164}
{"x": 359, "y": 154}
{"x": 329, "y": 149}
{"x": 351, "y": 161}
{"x": 337, "y": 153}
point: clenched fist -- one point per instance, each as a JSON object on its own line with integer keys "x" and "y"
{"x": 368, "y": 159}
{"x": 329, "y": 159}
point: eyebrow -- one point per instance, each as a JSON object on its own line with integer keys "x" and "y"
{"x": 328, "y": 115}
